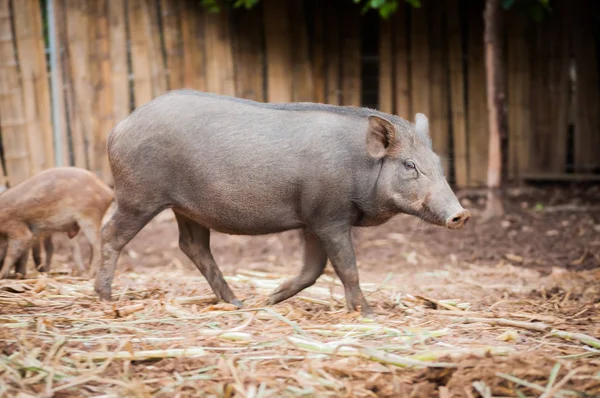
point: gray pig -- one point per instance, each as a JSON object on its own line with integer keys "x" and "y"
{"x": 249, "y": 168}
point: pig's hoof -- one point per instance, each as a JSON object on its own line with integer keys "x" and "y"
{"x": 237, "y": 303}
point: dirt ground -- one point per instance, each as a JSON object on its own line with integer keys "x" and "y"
{"x": 508, "y": 307}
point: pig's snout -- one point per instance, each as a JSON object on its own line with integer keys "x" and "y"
{"x": 458, "y": 220}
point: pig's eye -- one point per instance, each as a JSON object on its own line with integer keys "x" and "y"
{"x": 409, "y": 165}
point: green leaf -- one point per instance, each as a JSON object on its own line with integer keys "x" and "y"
{"x": 506, "y": 4}
{"x": 414, "y": 3}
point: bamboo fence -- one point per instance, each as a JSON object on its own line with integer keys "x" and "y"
{"x": 117, "y": 55}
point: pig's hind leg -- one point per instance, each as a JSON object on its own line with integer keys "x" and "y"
{"x": 124, "y": 224}
{"x": 194, "y": 241}
{"x": 315, "y": 260}
{"x": 49, "y": 251}
{"x": 36, "y": 252}
{"x": 19, "y": 243}
{"x": 91, "y": 230}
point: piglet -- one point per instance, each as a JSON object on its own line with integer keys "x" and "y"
{"x": 62, "y": 199}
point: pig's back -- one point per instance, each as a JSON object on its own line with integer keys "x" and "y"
{"x": 213, "y": 155}
{"x": 53, "y": 193}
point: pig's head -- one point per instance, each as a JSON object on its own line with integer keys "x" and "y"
{"x": 411, "y": 179}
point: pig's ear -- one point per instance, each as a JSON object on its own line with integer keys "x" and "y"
{"x": 381, "y": 137}
{"x": 422, "y": 124}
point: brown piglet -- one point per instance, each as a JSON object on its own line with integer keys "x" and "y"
{"x": 62, "y": 199}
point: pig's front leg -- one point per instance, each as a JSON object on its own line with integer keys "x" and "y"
{"x": 339, "y": 249}
{"x": 19, "y": 242}
{"x": 315, "y": 259}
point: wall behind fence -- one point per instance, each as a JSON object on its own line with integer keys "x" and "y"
{"x": 116, "y": 55}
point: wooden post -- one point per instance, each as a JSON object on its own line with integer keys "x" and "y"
{"x": 103, "y": 115}
{"x": 332, "y": 54}
{"x": 318, "y": 55}
{"x": 386, "y": 68}
{"x": 34, "y": 77}
{"x": 351, "y": 55}
{"x": 173, "y": 42}
{"x": 249, "y": 53}
{"x": 118, "y": 60}
{"x": 12, "y": 113}
{"x": 494, "y": 66}
{"x": 63, "y": 82}
{"x": 420, "y": 64}
{"x": 219, "y": 57}
{"x": 457, "y": 93}
{"x": 156, "y": 56}
{"x": 79, "y": 98}
{"x": 302, "y": 83}
{"x": 439, "y": 122}
{"x": 402, "y": 61}
{"x": 192, "y": 35}
{"x": 279, "y": 51}
{"x": 587, "y": 100}
{"x": 477, "y": 100}
{"x": 519, "y": 95}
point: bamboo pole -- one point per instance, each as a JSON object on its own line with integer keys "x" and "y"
{"x": 478, "y": 113}
{"x": 79, "y": 95}
{"x": 402, "y": 61}
{"x": 318, "y": 56}
{"x": 587, "y": 100}
{"x": 192, "y": 35}
{"x": 156, "y": 55}
{"x": 439, "y": 121}
{"x": 12, "y": 114}
{"x": 103, "y": 109}
{"x": 173, "y": 43}
{"x": 457, "y": 94}
{"x": 386, "y": 68}
{"x": 302, "y": 79}
{"x": 219, "y": 57}
{"x": 351, "y": 53}
{"x": 35, "y": 84}
{"x": 278, "y": 51}
{"x": 140, "y": 43}
{"x": 519, "y": 95}
{"x": 119, "y": 70}
{"x": 56, "y": 39}
{"x": 248, "y": 54}
{"x": 332, "y": 54}
{"x": 420, "y": 64}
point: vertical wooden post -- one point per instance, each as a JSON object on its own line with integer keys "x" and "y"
{"x": 351, "y": 55}
{"x": 439, "y": 122}
{"x": 402, "y": 61}
{"x": 192, "y": 35}
{"x": 457, "y": 93}
{"x": 102, "y": 106}
{"x": 79, "y": 95}
{"x": 173, "y": 42}
{"x": 477, "y": 99}
{"x": 332, "y": 54}
{"x": 118, "y": 60}
{"x": 34, "y": 77}
{"x": 249, "y": 53}
{"x": 495, "y": 101}
{"x": 12, "y": 114}
{"x": 386, "y": 68}
{"x": 420, "y": 65}
{"x": 219, "y": 57}
{"x": 62, "y": 66}
{"x": 318, "y": 55}
{"x": 587, "y": 100}
{"x": 302, "y": 82}
{"x": 279, "y": 51}
{"x": 519, "y": 95}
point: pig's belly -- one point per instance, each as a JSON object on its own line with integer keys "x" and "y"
{"x": 231, "y": 218}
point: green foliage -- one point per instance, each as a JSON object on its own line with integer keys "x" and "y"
{"x": 215, "y": 5}
{"x": 537, "y": 9}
